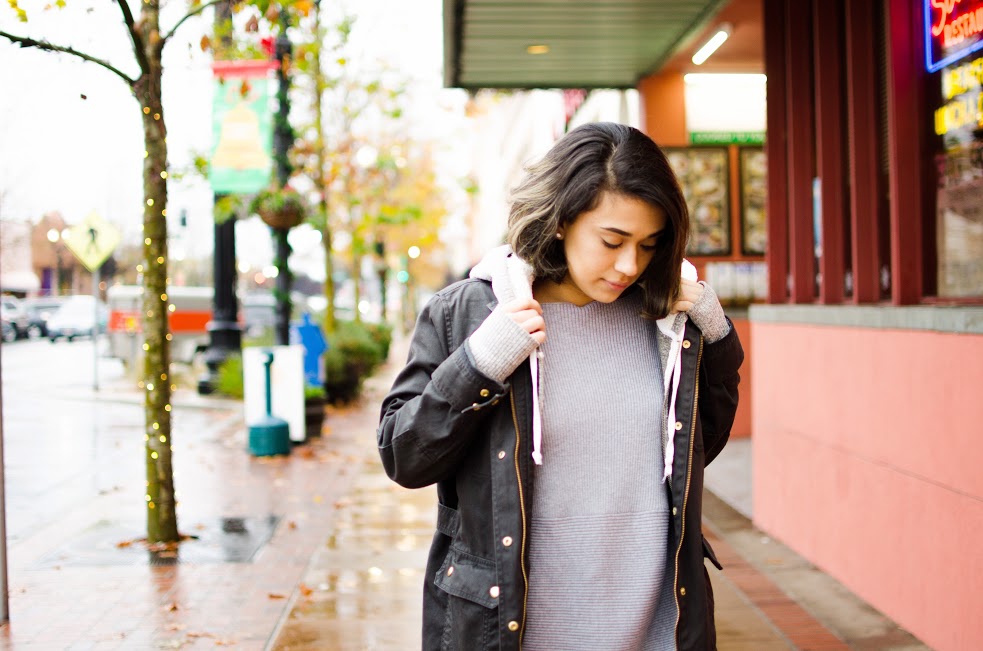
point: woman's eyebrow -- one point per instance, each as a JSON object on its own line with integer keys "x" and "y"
{"x": 618, "y": 231}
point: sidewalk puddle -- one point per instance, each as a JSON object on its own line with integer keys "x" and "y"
{"x": 218, "y": 540}
{"x": 363, "y": 590}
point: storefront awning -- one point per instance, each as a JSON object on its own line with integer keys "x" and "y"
{"x": 22, "y": 282}
{"x": 589, "y": 43}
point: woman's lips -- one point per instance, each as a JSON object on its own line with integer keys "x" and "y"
{"x": 620, "y": 287}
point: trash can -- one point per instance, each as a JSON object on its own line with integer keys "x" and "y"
{"x": 286, "y": 386}
{"x": 269, "y": 435}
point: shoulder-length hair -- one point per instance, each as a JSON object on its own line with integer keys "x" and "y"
{"x": 568, "y": 181}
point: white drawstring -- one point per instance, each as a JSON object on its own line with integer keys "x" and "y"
{"x": 675, "y": 356}
{"x": 537, "y": 426}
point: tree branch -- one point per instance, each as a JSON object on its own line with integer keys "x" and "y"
{"x": 135, "y": 36}
{"x": 24, "y": 41}
{"x": 194, "y": 12}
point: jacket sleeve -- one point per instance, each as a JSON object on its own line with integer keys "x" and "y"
{"x": 435, "y": 407}
{"x": 718, "y": 391}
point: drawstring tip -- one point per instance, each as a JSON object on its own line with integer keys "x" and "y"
{"x": 537, "y": 457}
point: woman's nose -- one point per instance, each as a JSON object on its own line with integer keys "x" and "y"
{"x": 627, "y": 262}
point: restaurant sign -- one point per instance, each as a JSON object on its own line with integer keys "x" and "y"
{"x": 953, "y": 30}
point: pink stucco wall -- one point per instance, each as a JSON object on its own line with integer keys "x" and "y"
{"x": 868, "y": 461}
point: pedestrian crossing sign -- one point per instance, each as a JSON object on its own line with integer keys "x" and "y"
{"x": 92, "y": 241}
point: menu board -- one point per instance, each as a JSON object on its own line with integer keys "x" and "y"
{"x": 703, "y": 174}
{"x": 754, "y": 199}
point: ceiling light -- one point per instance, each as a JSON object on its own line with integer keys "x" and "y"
{"x": 538, "y": 49}
{"x": 718, "y": 38}
{"x": 720, "y": 80}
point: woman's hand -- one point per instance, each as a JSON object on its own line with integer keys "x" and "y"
{"x": 689, "y": 293}
{"x": 528, "y": 313}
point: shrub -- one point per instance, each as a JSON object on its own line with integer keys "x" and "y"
{"x": 382, "y": 335}
{"x": 229, "y": 381}
{"x": 352, "y": 355}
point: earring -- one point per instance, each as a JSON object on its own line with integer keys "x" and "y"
{"x": 559, "y": 236}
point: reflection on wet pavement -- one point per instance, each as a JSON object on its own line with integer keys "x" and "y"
{"x": 363, "y": 590}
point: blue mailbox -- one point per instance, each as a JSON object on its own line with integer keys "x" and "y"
{"x": 308, "y": 334}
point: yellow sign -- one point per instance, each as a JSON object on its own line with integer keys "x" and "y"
{"x": 92, "y": 241}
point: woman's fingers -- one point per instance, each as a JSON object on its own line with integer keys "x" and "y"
{"x": 519, "y": 304}
{"x": 682, "y": 306}
{"x": 528, "y": 313}
{"x": 689, "y": 293}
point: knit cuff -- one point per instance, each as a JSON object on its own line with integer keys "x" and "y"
{"x": 499, "y": 345}
{"x": 708, "y": 316}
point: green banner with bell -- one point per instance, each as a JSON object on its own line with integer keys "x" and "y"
{"x": 242, "y": 128}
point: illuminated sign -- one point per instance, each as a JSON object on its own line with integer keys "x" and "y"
{"x": 953, "y": 30}
{"x": 963, "y": 100}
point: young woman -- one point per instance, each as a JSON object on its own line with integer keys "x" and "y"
{"x": 565, "y": 400}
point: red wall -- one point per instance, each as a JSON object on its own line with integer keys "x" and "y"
{"x": 868, "y": 447}
{"x": 742, "y": 420}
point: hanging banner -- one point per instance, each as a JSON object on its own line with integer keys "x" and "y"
{"x": 953, "y": 30}
{"x": 242, "y": 127}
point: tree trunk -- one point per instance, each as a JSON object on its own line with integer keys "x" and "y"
{"x": 326, "y": 232}
{"x": 161, "y": 511}
{"x": 357, "y": 281}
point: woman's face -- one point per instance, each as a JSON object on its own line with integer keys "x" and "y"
{"x": 609, "y": 247}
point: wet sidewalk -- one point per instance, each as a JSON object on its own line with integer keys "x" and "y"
{"x": 362, "y": 590}
{"x": 315, "y": 551}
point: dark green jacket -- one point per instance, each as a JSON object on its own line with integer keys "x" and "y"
{"x": 444, "y": 422}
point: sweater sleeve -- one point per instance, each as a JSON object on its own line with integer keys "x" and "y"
{"x": 708, "y": 315}
{"x": 499, "y": 345}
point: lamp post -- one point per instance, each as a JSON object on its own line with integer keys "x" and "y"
{"x": 282, "y": 139}
{"x": 224, "y": 331}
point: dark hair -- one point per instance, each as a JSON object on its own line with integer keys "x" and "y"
{"x": 568, "y": 181}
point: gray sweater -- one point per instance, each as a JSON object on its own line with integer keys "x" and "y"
{"x": 600, "y": 517}
{"x": 599, "y": 568}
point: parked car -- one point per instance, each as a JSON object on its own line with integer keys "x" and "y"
{"x": 39, "y": 310}
{"x": 7, "y": 330}
{"x": 77, "y": 318}
{"x": 12, "y": 311}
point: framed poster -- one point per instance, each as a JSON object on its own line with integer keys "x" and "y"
{"x": 753, "y": 164}
{"x": 704, "y": 175}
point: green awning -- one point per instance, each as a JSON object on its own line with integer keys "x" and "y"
{"x": 592, "y": 43}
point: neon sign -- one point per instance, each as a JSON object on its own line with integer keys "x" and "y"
{"x": 953, "y": 29}
{"x": 964, "y": 101}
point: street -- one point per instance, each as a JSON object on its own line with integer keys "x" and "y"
{"x": 66, "y": 445}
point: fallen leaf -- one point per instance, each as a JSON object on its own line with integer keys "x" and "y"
{"x": 291, "y": 525}
{"x": 175, "y": 627}
{"x": 276, "y": 595}
{"x": 171, "y": 607}
{"x": 304, "y": 590}
{"x": 196, "y": 634}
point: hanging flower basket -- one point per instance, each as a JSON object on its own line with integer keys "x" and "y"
{"x": 281, "y": 209}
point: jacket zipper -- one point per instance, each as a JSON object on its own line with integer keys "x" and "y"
{"x": 689, "y": 474}
{"x": 522, "y": 509}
